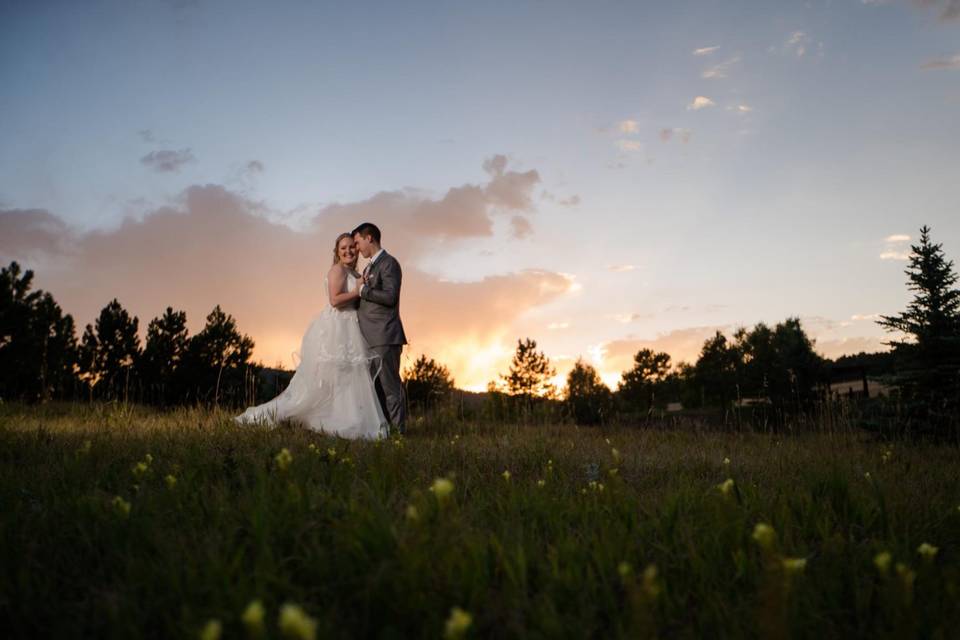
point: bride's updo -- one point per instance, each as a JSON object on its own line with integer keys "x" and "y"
{"x": 336, "y": 246}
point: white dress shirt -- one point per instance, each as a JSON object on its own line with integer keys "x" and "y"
{"x": 369, "y": 266}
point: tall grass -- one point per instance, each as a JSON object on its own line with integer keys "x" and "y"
{"x": 578, "y": 541}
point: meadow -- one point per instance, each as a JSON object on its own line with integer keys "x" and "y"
{"x": 126, "y": 522}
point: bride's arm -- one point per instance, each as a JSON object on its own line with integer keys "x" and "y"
{"x": 335, "y": 280}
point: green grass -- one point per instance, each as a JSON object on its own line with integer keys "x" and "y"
{"x": 332, "y": 532}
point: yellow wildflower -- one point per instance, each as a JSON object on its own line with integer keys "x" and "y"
{"x": 794, "y": 565}
{"x": 457, "y": 624}
{"x": 295, "y": 623}
{"x": 907, "y": 576}
{"x": 412, "y": 513}
{"x": 726, "y": 461}
{"x": 616, "y": 455}
{"x": 441, "y": 488}
{"x": 928, "y": 551}
{"x": 624, "y": 569}
{"x": 867, "y": 475}
{"x": 171, "y": 481}
{"x": 149, "y": 459}
{"x": 506, "y": 475}
{"x": 541, "y": 483}
{"x": 765, "y": 536}
{"x": 332, "y": 452}
{"x": 140, "y": 469}
{"x": 882, "y": 561}
{"x": 726, "y": 486}
{"x": 283, "y": 459}
{"x": 121, "y": 506}
{"x": 211, "y": 630}
{"x": 253, "y": 618}
{"x": 651, "y": 582}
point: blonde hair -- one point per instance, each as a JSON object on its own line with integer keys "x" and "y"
{"x": 336, "y": 246}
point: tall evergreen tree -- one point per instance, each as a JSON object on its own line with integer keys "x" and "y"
{"x": 37, "y": 341}
{"x": 928, "y": 360}
{"x": 163, "y": 354}
{"x": 217, "y": 361}
{"x": 109, "y": 352}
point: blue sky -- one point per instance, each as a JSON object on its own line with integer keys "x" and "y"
{"x": 826, "y": 128}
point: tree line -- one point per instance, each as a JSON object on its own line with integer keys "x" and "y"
{"x": 41, "y": 358}
{"x": 772, "y": 370}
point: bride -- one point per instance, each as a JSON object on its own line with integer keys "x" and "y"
{"x": 332, "y": 390}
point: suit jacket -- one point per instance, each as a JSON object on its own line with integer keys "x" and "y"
{"x": 379, "y": 310}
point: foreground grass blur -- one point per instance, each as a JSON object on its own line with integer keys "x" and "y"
{"x": 122, "y": 522}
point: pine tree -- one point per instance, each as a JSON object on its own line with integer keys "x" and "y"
{"x": 933, "y": 316}
{"x": 163, "y": 354}
{"x": 530, "y": 373}
{"x": 217, "y": 360}
{"x": 928, "y": 360}
{"x": 109, "y": 352}
{"x": 37, "y": 341}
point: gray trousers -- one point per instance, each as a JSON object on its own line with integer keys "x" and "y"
{"x": 388, "y": 384}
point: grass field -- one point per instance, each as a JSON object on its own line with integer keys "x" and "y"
{"x": 122, "y": 522}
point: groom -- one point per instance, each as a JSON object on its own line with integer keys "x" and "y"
{"x": 379, "y": 315}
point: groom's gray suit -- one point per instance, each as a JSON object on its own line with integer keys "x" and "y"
{"x": 379, "y": 315}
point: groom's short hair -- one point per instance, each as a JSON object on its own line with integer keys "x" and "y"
{"x": 368, "y": 229}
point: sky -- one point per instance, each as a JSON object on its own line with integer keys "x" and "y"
{"x": 600, "y": 177}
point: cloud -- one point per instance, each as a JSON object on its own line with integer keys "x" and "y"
{"x": 705, "y": 51}
{"x": 667, "y": 134}
{"x": 569, "y": 201}
{"x": 520, "y": 227}
{"x": 740, "y": 108}
{"x": 621, "y": 268}
{"x": 553, "y": 326}
{"x": 254, "y": 166}
{"x": 720, "y": 70}
{"x": 29, "y": 232}
{"x": 949, "y": 9}
{"x": 215, "y": 246}
{"x": 858, "y": 317}
{"x": 167, "y": 160}
{"x": 700, "y": 102}
{"x": 799, "y": 44}
{"x": 630, "y": 145}
{"x": 628, "y": 126}
{"x": 627, "y": 318}
{"x": 146, "y": 135}
{"x": 952, "y": 62}
{"x": 896, "y": 247}
{"x": 833, "y": 349}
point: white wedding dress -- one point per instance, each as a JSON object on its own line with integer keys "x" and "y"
{"x": 332, "y": 389}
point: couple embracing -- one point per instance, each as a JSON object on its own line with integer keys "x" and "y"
{"x": 348, "y": 380}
